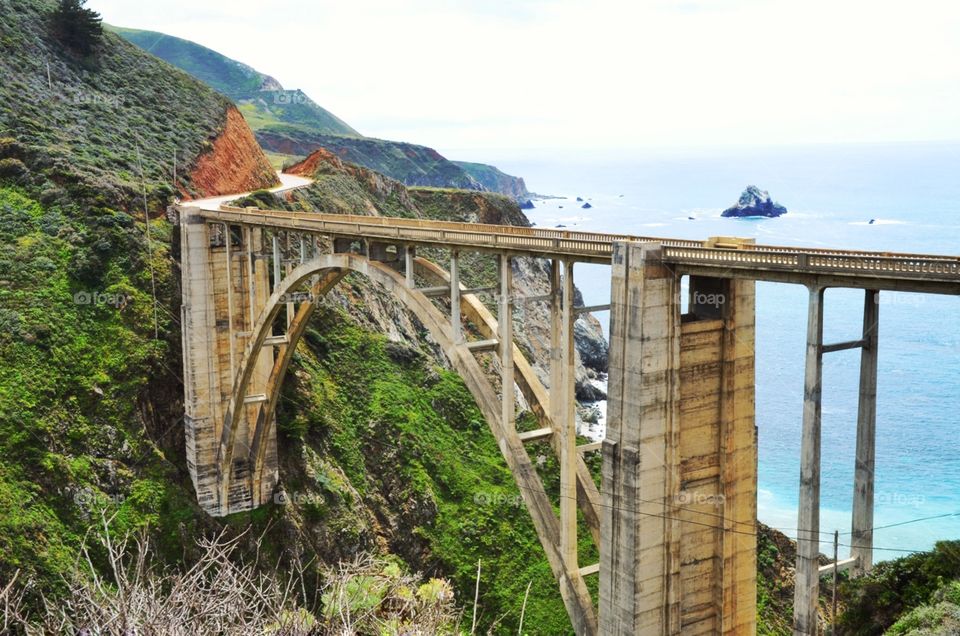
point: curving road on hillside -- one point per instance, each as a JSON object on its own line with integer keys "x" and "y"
{"x": 287, "y": 182}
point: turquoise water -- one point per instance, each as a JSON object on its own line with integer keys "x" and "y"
{"x": 832, "y": 192}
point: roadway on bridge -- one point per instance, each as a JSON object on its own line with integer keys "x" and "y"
{"x": 724, "y": 258}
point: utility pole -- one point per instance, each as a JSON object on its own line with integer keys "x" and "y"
{"x": 836, "y": 577}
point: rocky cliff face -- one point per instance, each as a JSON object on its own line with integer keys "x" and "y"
{"x": 495, "y": 180}
{"x": 233, "y": 163}
{"x": 531, "y": 278}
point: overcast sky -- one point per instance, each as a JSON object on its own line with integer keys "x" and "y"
{"x": 568, "y": 74}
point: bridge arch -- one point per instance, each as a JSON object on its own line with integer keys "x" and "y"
{"x": 323, "y": 273}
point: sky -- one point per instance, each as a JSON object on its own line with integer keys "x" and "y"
{"x": 604, "y": 75}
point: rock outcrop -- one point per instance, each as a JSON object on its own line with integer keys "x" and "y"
{"x": 755, "y": 202}
{"x": 495, "y": 180}
{"x": 233, "y": 163}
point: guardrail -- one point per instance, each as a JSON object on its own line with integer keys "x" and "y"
{"x": 597, "y": 247}
{"x": 821, "y": 262}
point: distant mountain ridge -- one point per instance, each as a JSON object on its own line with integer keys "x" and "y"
{"x": 288, "y": 122}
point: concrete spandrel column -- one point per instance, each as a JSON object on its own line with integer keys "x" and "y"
{"x": 863, "y": 481}
{"x": 456, "y": 329}
{"x": 505, "y": 325}
{"x": 807, "y": 585}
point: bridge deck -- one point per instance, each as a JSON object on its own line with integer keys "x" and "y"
{"x": 838, "y": 268}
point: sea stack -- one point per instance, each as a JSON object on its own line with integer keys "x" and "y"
{"x": 755, "y": 202}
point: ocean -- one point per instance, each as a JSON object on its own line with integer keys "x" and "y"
{"x": 911, "y": 192}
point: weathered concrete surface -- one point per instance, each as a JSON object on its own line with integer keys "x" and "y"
{"x": 679, "y": 479}
{"x": 220, "y": 305}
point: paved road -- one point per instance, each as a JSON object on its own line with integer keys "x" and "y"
{"x": 287, "y": 182}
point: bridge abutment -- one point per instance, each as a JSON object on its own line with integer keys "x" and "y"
{"x": 678, "y": 542}
{"x": 226, "y": 284}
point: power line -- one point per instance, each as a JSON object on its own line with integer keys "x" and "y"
{"x": 669, "y": 517}
{"x": 903, "y": 523}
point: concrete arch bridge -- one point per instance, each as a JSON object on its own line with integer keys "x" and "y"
{"x": 675, "y": 516}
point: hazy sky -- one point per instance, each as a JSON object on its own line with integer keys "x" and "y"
{"x": 599, "y": 74}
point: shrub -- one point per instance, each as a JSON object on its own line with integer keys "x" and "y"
{"x": 77, "y": 27}
{"x": 11, "y": 168}
{"x": 893, "y": 588}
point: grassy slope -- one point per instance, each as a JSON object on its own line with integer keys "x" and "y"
{"x": 89, "y": 399}
{"x": 411, "y": 164}
{"x": 85, "y": 123}
{"x": 402, "y": 438}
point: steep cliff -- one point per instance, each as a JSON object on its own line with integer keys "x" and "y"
{"x": 234, "y": 161}
{"x": 290, "y": 124}
{"x": 495, "y": 180}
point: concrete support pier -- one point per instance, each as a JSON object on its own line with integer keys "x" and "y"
{"x": 226, "y": 283}
{"x": 807, "y": 584}
{"x": 678, "y": 544}
{"x": 863, "y": 479}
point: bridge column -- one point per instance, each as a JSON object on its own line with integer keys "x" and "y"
{"x": 565, "y": 419}
{"x": 201, "y": 377}
{"x": 678, "y": 531}
{"x": 456, "y": 329}
{"x": 505, "y": 325}
{"x": 862, "y": 524}
{"x": 807, "y": 583}
{"x": 410, "y": 254}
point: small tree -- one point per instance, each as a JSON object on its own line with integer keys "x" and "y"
{"x": 77, "y": 27}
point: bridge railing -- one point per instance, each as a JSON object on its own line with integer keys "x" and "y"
{"x": 932, "y": 267}
{"x": 597, "y": 246}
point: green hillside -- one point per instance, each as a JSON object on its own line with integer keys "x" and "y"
{"x": 262, "y": 99}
